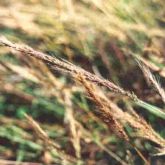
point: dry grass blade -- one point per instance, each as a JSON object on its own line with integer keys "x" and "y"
{"x": 104, "y": 114}
{"x": 152, "y": 80}
{"x": 75, "y": 133}
{"x": 140, "y": 127}
{"x": 111, "y": 118}
{"x": 161, "y": 152}
{"x": 65, "y": 66}
{"x": 47, "y": 141}
{"x": 9, "y": 89}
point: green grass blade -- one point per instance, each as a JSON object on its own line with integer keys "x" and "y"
{"x": 151, "y": 108}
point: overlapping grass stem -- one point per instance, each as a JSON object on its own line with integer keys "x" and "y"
{"x": 67, "y": 67}
{"x": 96, "y": 107}
{"x": 115, "y": 120}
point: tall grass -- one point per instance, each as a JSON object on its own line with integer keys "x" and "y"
{"x": 89, "y": 95}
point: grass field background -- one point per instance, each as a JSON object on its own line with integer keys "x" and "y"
{"x": 100, "y": 97}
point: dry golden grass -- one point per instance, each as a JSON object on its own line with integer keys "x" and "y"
{"x": 114, "y": 33}
{"x": 109, "y": 113}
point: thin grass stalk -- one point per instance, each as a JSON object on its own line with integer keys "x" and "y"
{"x": 151, "y": 79}
{"x": 65, "y": 66}
{"x": 47, "y": 141}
